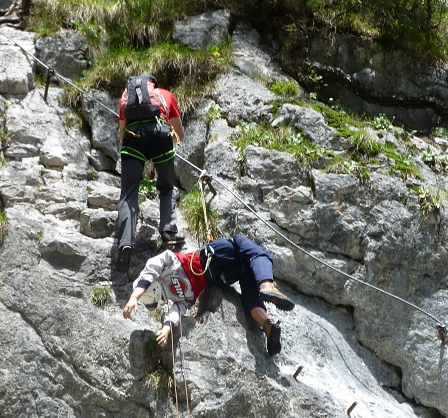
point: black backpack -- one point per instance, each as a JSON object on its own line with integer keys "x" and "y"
{"x": 143, "y": 103}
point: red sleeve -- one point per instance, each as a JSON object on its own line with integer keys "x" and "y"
{"x": 123, "y": 100}
{"x": 171, "y": 103}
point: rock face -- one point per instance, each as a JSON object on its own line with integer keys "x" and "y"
{"x": 64, "y": 356}
{"x": 373, "y": 80}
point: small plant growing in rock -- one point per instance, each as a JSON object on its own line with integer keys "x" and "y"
{"x": 429, "y": 200}
{"x": 150, "y": 345}
{"x": 441, "y": 132}
{"x": 147, "y": 187}
{"x": 381, "y": 122}
{"x": 193, "y": 211}
{"x": 3, "y": 135}
{"x": 344, "y": 166}
{"x": 3, "y": 226}
{"x": 435, "y": 161}
{"x": 213, "y": 113}
{"x": 285, "y": 89}
{"x": 160, "y": 380}
{"x": 158, "y": 314}
{"x": 3, "y": 161}
{"x": 92, "y": 174}
{"x": 100, "y": 295}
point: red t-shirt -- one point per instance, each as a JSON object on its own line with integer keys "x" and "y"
{"x": 170, "y": 100}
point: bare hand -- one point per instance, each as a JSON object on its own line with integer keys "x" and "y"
{"x": 162, "y": 336}
{"x": 131, "y": 306}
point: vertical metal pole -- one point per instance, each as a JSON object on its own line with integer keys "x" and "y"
{"x": 50, "y": 72}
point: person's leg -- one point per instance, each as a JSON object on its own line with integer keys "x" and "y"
{"x": 270, "y": 328}
{"x": 131, "y": 174}
{"x": 168, "y": 217}
{"x": 259, "y": 262}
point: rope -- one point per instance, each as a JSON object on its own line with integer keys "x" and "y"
{"x": 183, "y": 367}
{"x": 311, "y": 255}
{"x": 174, "y": 370}
{"x": 204, "y": 208}
{"x": 441, "y": 328}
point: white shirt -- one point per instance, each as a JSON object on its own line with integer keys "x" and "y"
{"x": 167, "y": 270}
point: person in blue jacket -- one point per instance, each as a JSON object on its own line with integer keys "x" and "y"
{"x": 182, "y": 277}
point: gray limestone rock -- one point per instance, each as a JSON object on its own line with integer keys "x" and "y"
{"x": 204, "y": 30}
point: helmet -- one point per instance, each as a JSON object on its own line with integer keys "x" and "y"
{"x": 154, "y": 80}
{"x": 152, "y": 295}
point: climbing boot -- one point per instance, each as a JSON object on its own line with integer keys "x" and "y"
{"x": 123, "y": 259}
{"x": 272, "y": 331}
{"x": 172, "y": 238}
{"x": 270, "y": 293}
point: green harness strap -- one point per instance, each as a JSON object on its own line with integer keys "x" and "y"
{"x": 132, "y": 152}
{"x": 162, "y": 158}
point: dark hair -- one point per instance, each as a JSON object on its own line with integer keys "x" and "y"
{"x": 154, "y": 80}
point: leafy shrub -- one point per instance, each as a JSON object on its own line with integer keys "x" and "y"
{"x": 147, "y": 187}
{"x": 3, "y": 226}
{"x": 193, "y": 211}
{"x": 213, "y": 113}
{"x": 160, "y": 380}
{"x": 100, "y": 295}
{"x": 429, "y": 200}
{"x": 286, "y": 89}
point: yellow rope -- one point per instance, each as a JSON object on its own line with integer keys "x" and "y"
{"x": 173, "y": 132}
{"x": 200, "y": 273}
{"x": 183, "y": 367}
{"x": 174, "y": 370}
{"x": 204, "y": 208}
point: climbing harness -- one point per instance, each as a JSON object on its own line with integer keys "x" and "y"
{"x": 441, "y": 328}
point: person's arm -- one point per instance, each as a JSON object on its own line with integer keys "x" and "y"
{"x": 176, "y": 123}
{"x": 171, "y": 319}
{"x": 132, "y": 305}
{"x": 121, "y": 125}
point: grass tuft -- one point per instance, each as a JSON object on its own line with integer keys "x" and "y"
{"x": 3, "y": 226}
{"x": 193, "y": 212}
{"x": 100, "y": 295}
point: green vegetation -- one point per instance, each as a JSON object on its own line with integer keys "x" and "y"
{"x": 213, "y": 113}
{"x": 3, "y": 226}
{"x": 285, "y": 89}
{"x": 417, "y": 27}
{"x": 100, "y": 295}
{"x": 193, "y": 211}
{"x": 147, "y": 187}
{"x": 345, "y": 166}
{"x": 440, "y": 132}
{"x": 280, "y": 138}
{"x": 160, "y": 380}
{"x": 158, "y": 314}
{"x": 429, "y": 200}
{"x": 436, "y": 162}
{"x": 3, "y": 161}
{"x": 151, "y": 345}
{"x": 92, "y": 174}
{"x": 128, "y": 38}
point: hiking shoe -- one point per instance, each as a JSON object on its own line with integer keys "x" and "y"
{"x": 172, "y": 238}
{"x": 270, "y": 293}
{"x": 123, "y": 259}
{"x": 272, "y": 331}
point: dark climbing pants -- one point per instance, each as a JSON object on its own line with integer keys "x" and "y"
{"x": 153, "y": 143}
{"x": 240, "y": 259}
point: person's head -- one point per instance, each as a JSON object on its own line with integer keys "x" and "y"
{"x": 152, "y": 295}
{"x": 154, "y": 80}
